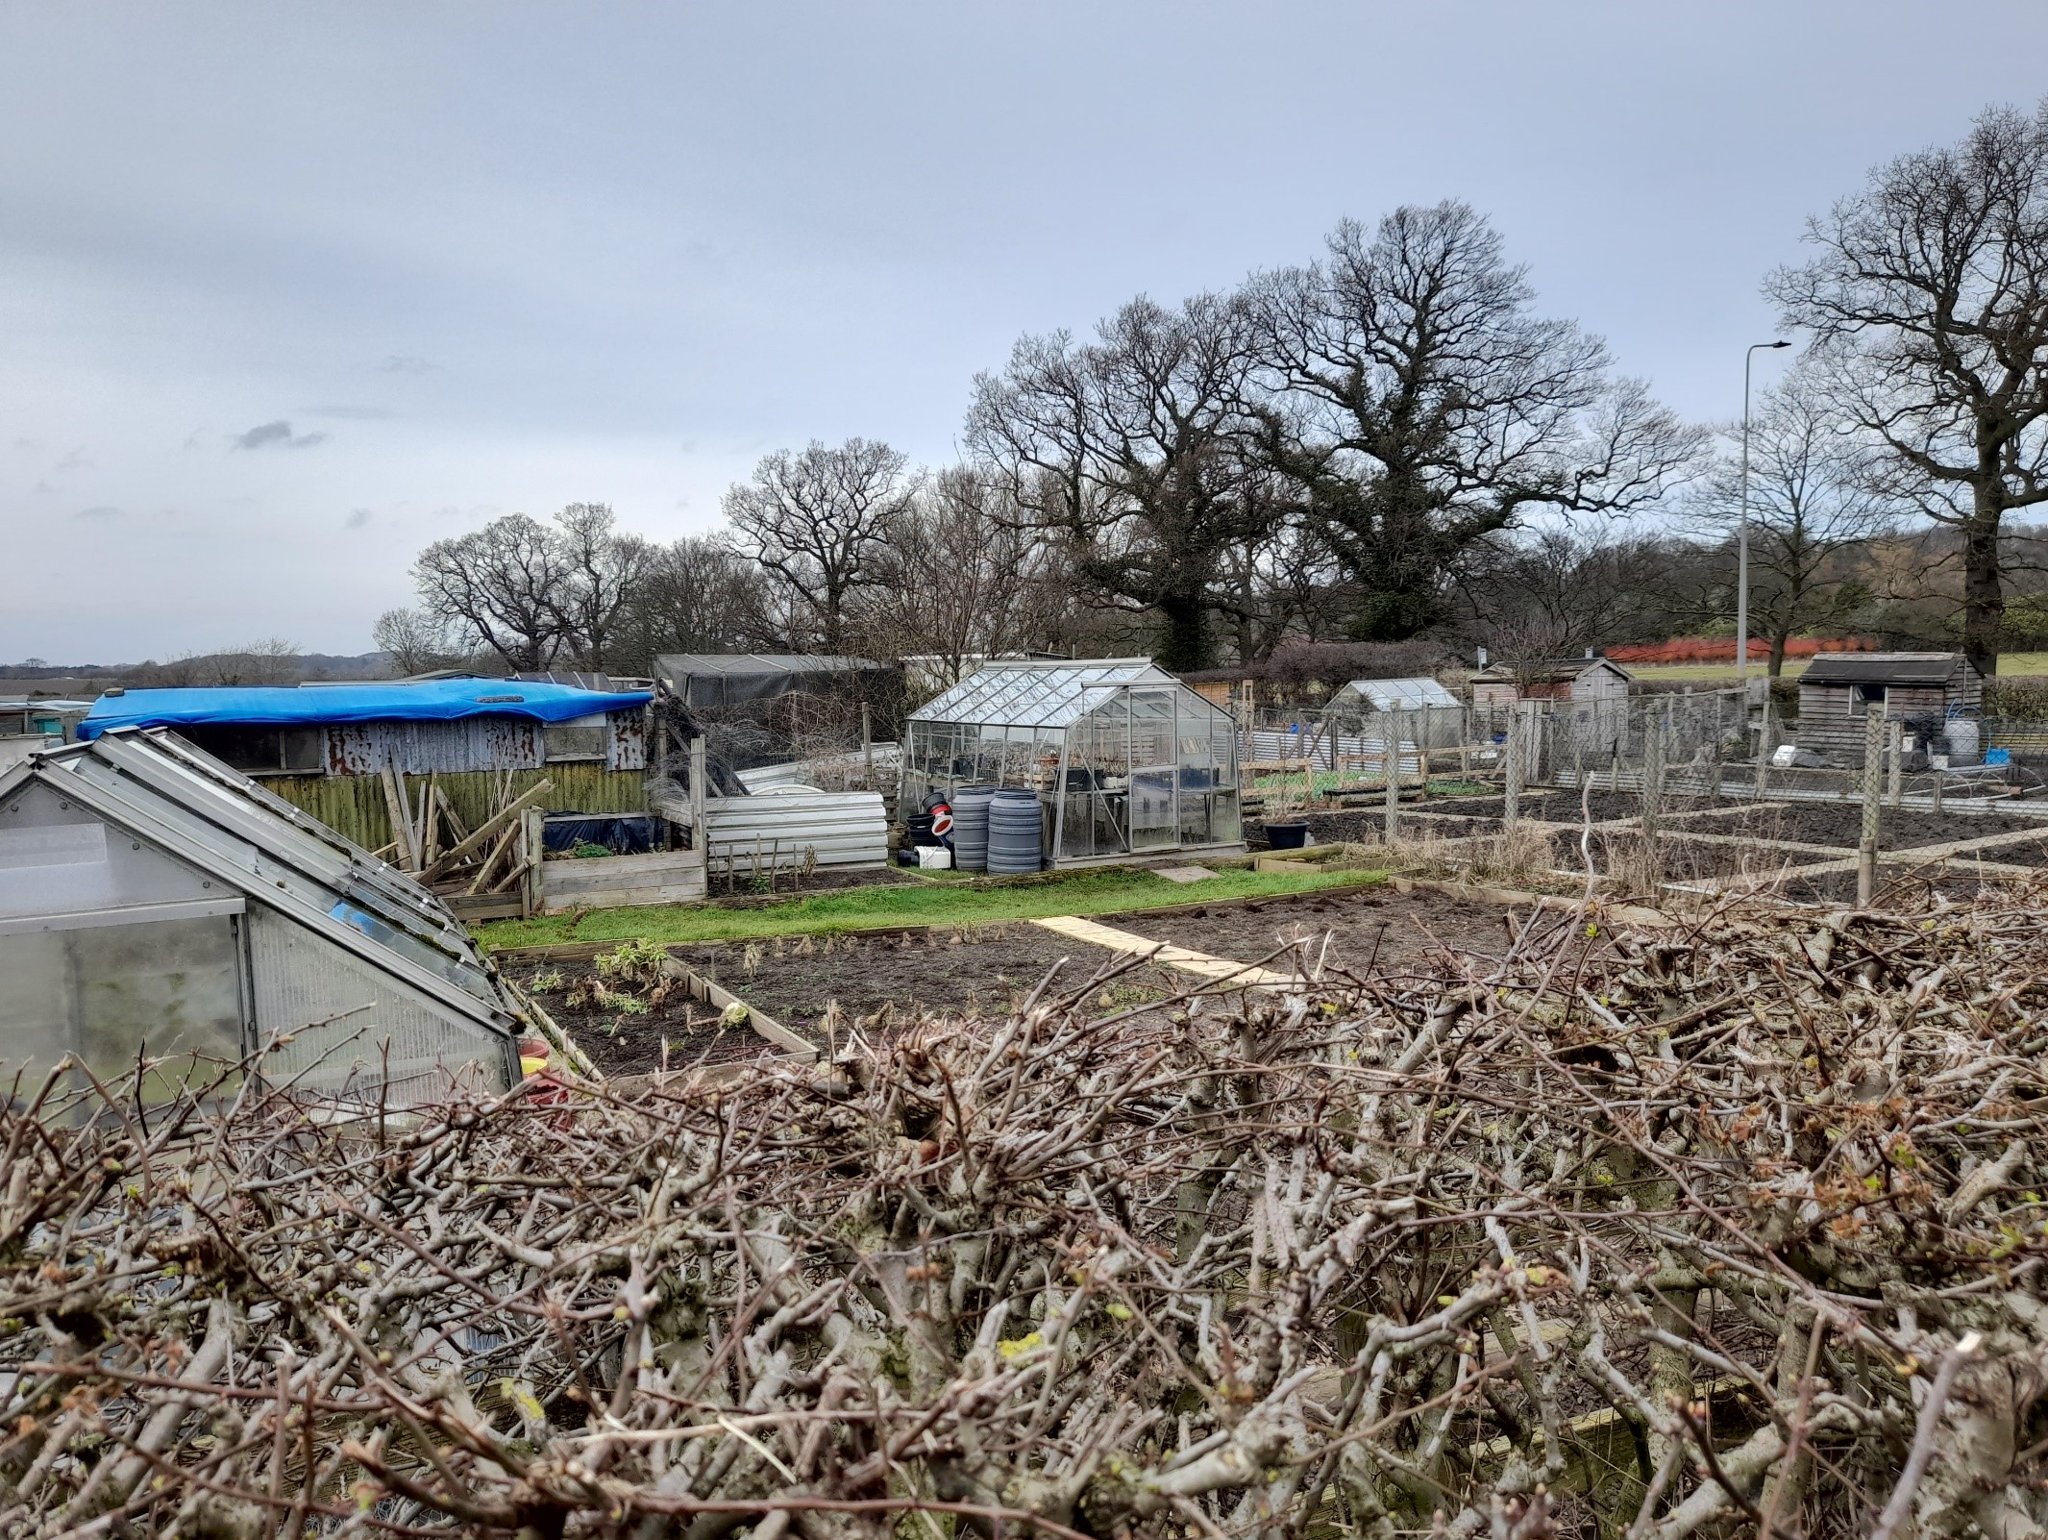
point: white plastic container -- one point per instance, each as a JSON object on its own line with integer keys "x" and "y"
{"x": 935, "y": 857}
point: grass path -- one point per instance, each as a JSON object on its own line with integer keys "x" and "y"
{"x": 885, "y": 905}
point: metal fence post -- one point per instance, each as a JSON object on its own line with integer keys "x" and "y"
{"x": 1873, "y": 788}
{"x": 1511, "y": 802}
{"x": 1653, "y": 790}
{"x": 1765, "y": 747}
{"x": 1395, "y": 720}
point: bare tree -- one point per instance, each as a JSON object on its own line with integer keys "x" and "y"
{"x": 1554, "y": 593}
{"x": 698, "y": 594}
{"x": 961, "y": 577}
{"x": 1130, "y": 448}
{"x": 497, "y": 587}
{"x": 818, "y": 521}
{"x": 1419, "y": 406}
{"x": 416, "y": 641}
{"x": 535, "y": 594}
{"x": 604, "y": 565}
{"x": 1813, "y": 511}
{"x": 1929, "y": 305}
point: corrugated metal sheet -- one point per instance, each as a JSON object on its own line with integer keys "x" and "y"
{"x": 353, "y": 805}
{"x": 1323, "y": 749}
{"x": 423, "y": 748}
{"x": 844, "y": 828}
{"x": 828, "y": 772}
{"x": 628, "y": 740}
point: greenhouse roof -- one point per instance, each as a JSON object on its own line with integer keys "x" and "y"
{"x": 1400, "y": 694}
{"x": 1040, "y": 692}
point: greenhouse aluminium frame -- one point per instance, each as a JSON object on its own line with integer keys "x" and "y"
{"x": 1124, "y": 758}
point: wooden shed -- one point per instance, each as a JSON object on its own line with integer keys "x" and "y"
{"x": 1839, "y": 689}
{"x": 1573, "y": 679}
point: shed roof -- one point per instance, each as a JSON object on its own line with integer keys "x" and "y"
{"x": 162, "y": 789}
{"x": 671, "y": 666}
{"x": 1040, "y": 693}
{"x": 425, "y": 700}
{"x": 1398, "y": 694}
{"x": 1881, "y": 667}
{"x": 1549, "y": 671}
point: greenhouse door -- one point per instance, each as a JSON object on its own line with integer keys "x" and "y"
{"x": 1155, "y": 812}
{"x": 1154, "y": 822}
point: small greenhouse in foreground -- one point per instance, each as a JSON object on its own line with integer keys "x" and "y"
{"x": 1124, "y": 758}
{"x": 156, "y": 904}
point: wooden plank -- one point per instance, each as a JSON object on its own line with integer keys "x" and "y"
{"x": 401, "y": 827}
{"x": 482, "y": 880}
{"x": 483, "y": 907}
{"x": 497, "y": 820}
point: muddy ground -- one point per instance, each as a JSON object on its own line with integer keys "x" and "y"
{"x": 985, "y": 969}
{"x": 1374, "y": 930}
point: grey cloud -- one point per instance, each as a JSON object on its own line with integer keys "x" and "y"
{"x": 75, "y": 461}
{"x": 100, "y": 511}
{"x": 275, "y": 434}
{"x": 351, "y": 413}
{"x": 407, "y": 363}
{"x": 358, "y": 519}
{"x": 28, "y": 445}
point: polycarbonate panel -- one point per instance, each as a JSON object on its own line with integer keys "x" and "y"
{"x": 117, "y": 994}
{"x": 1037, "y": 694}
{"x": 355, "y": 1029}
{"x": 59, "y": 858}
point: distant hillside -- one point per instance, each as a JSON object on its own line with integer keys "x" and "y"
{"x": 39, "y": 677}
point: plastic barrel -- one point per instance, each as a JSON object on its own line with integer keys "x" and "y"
{"x": 1015, "y": 824}
{"x": 970, "y": 827}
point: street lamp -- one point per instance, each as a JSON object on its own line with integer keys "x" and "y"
{"x": 1742, "y": 529}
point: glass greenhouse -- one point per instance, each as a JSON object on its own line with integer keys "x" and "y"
{"x": 1429, "y": 715}
{"x": 1125, "y": 759}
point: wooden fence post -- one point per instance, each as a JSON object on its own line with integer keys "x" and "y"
{"x": 1873, "y": 790}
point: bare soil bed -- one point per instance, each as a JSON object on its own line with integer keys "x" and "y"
{"x": 985, "y": 968}
{"x": 1454, "y": 817}
{"x": 620, "y": 1042}
{"x": 1374, "y": 930}
{"x": 1841, "y": 824}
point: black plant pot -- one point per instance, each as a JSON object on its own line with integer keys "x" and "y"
{"x": 1289, "y": 834}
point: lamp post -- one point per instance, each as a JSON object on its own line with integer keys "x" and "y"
{"x": 1742, "y": 528}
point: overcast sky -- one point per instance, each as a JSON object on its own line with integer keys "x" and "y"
{"x": 288, "y": 291}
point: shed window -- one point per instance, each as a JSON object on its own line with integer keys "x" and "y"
{"x": 1864, "y": 696}
{"x": 583, "y": 739}
{"x": 263, "y": 750}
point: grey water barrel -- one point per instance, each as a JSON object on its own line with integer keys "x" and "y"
{"x": 970, "y": 827}
{"x": 1962, "y": 741}
{"x": 1015, "y": 821}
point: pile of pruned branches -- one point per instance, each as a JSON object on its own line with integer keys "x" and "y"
{"x": 1728, "y": 1229}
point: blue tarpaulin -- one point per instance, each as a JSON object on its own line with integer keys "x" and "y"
{"x": 429, "y": 700}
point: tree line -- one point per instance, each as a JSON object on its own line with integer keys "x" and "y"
{"x": 1392, "y": 443}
